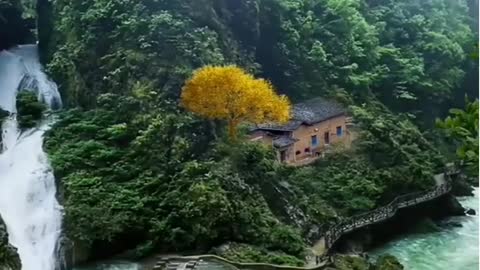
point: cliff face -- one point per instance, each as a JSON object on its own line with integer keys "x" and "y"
{"x": 9, "y": 258}
{"x": 14, "y": 29}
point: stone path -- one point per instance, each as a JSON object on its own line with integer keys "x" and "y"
{"x": 183, "y": 263}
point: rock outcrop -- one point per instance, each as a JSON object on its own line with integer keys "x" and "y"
{"x": 462, "y": 186}
{"x": 9, "y": 259}
{"x": 471, "y": 212}
{"x": 388, "y": 262}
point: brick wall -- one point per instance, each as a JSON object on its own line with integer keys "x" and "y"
{"x": 304, "y": 135}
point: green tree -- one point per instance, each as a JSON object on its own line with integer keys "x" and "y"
{"x": 462, "y": 126}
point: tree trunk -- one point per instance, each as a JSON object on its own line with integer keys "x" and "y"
{"x": 232, "y": 130}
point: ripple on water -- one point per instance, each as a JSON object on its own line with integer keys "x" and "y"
{"x": 450, "y": 249}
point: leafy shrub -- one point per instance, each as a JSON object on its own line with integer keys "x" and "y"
{"x": 29, "y": 109}
{"x": 248, "y": 254}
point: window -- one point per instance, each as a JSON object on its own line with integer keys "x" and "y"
{"x": 326, "y": 137}
{"x": 298, "y": 152}
{"x": 339, "y": 131}
{"x": 314, "y": 141}
{"x": 307, "y": 150}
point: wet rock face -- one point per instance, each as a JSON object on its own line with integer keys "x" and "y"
{"x": 471, "y": 212}
{"x": 3, "y": 114}
{"x": 9, "y": 258}
{"x": 461, "y": 186}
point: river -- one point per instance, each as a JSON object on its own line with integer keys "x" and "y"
{"x": 451, "y": 248}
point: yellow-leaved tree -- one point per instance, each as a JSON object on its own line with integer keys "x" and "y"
{"x": 229, "y": 93}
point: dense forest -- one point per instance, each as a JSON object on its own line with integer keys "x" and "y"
{"x": 139, "y": 174}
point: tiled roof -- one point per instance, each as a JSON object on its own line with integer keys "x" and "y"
{"x": 283, "y": 141}
{"x": 290, "y": 125}
{"x": 316, "y": 110}
{"x": 309, "y": 112}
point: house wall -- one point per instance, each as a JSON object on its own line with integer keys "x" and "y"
{"x": 304, "y": 133}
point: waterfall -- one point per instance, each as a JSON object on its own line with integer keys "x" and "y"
{"x": 28, "y": 201}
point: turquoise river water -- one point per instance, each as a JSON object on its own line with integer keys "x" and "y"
{"x": 452, "y": 248}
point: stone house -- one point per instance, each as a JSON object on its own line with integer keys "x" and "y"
{"x": 316, "y": 125}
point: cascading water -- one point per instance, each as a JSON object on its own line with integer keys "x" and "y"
{"x": 28, "y": 203}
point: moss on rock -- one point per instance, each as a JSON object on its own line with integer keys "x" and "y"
{"x": 343, "y": 262}
{"x": 388, "y": 262}
{"x": 29, "y": 109}
{"x": 248, "y": 254}
{"x": 348, "y": 262}
{"x": 9, "y": 258}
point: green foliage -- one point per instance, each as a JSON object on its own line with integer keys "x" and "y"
{"x": 14, "y": 29}
{"x": 159, "y": 42}
{"x": 130, "y": 173}
{"x": 29, "y": 109}
{"x": 347, "y": 183}
{"x": 395, "y": 144}
{"x": 343, "y": 262}
{"x": 248, "y": 254}
{"x": 131, "y": 164}
{"x": 411, "y": 54}
{"x": 462, "y": 127}
{"x": 132, "y": 167}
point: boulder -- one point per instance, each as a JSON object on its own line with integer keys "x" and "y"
{"x": 451, "y": 206}
{"x": 425, "y": 225}
{"x": 461, "y": 187}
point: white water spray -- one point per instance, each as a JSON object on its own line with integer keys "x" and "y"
{"x": 27, "y": 187}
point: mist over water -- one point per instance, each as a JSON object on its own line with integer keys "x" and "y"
{"x": 453, "y": 248}
{"x": 27, "y": 187}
